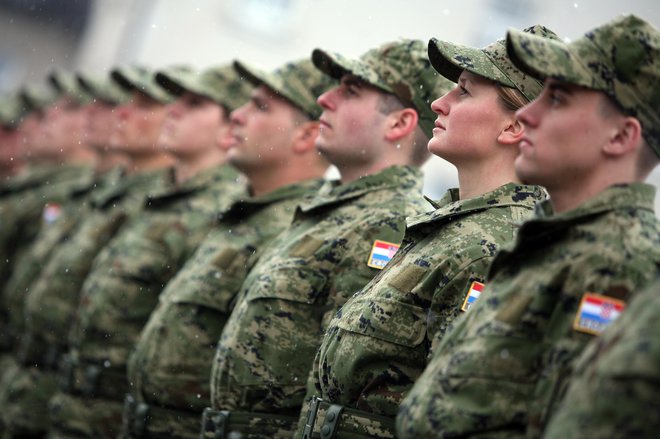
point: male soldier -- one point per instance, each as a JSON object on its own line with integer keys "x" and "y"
{"x": 591, "y": 138}
{"x": 379, "y": 342}
{"x": 126, "y": 277}
{"x": 615, "y": 384}
{"x": 272, "y": 144}
{"x": 48, "y": 298}
{"x": 374, "y": 128}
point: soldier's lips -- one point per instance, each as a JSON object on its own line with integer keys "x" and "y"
{"x": 324, "y": 124}
{"x": 524, "y": 144}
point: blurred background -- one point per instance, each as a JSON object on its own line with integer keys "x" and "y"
{"x": 37, "y": 36}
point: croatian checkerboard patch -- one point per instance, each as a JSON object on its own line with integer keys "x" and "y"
{"x": 596, "y": 313}
{"x": 381, "y": 253}
{"x": 52, "y": 212}
{"x": 473, "y": 294}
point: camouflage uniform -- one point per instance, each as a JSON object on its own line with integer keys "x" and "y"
{"x": 121, "y": 291}
{"x": 171, "y": 364}
{"x": 503, "y": 369}
{"x": 378, "y": 343}
{"x": 615, "y": 384}
{"x": 50, "y": 302}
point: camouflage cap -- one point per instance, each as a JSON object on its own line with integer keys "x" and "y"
{"x": 141, "y": 79}
{"x": 297, "y": 82}
{"x": 66, "y": 84}
{"x": 12, "y": 110}
{"x": 103, "y": 89}
{"x": 220, "y": 84}
{"x": 490, "y": 62}
{"x": 400, "y": 68}
{"x": 36, "y": 98}
{"x": 619, "y": 58}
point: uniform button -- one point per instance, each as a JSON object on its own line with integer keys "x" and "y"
{"x": 330, "y": 417}
{"x": 325, "y": 430}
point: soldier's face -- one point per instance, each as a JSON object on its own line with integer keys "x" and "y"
{"x": 191, "y": 125}
{"x": 138, "y": 125}
{"x": 100, "y": 124}
{"x": 62, "y": 128}
{"x": 351, "y": 123}
{"x": 565, "y": 129}
{"x": 262, "y": 131}
{"x": 10, "y": 141}
{"x": 470, "y": 118}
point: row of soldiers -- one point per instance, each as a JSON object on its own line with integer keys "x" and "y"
{"x": 175, "y": 264}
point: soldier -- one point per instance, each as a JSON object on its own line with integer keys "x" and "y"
{"x": 126, "y": 277}
{"x": 377, "y": 345}
{"x": 48, "y": 294}
{"x": 374, "y": 128}
{"x": 272, "y": 144}
{"x": 591, "y": 137}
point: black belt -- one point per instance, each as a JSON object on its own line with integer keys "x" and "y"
{"x": 223, "y": 424}
{"x": 328, "y": 421}
{"x": 149, "y": 421}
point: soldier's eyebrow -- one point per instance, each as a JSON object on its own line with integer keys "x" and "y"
{"x": 352, "y": 81}
{"x": 555, "y": 86}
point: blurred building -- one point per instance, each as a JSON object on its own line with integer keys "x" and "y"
{"x": 95, "y": 35}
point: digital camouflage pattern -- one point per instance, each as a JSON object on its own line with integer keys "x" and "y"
{"x": 50, "y": 302}
{"x": 300, "y": 83}
{"x": 103, "y": 89}
{"x": 378, "y": 343}
{"x": 125, "y": 280}
{"x": 491, "y": 62}
{"x": 139, "y": 78}
{"x": 171, "y": 364}
{"x": 401, "y": 68}
{"x": 220, "y": 84}
{"x": 502, "y": 369}
{"x": 616, "y": 381}
{"x": 22, "y": 213}
{"x": 620, "y": 58}
{"x": 267, "y": 347}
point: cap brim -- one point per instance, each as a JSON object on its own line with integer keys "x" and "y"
{"x": 330, "y": 64}
{"x": 545, "y": 58}
{"x": 451, "y": 59}
{"x": 172, "y": 84}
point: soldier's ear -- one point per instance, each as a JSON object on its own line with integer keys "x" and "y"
{"x": 304, "y": 137}
{"x": 400, "y": 124}
{"x": 625, "y": 137}
{"x": 512, "y": 134}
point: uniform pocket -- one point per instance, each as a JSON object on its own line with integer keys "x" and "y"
{"x": 385, "y": 319}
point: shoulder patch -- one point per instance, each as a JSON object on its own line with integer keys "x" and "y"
{"x": 381, "y": 253}
{"x": 472, "y": 295}
{"x": 51, "y": 213}
{"x": 597, "y": 312}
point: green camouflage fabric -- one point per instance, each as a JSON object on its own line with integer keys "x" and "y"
{"x": 220, "y": 84}
{"x": 400, "y": 68}
{"x": 39, "y": 201}
{"x": 51, "y": 298}
{"x": 491, "y": 62}
{"x": 139, "y": 78}
{"x": 620, "y": 58}
{"x": 266, "y": 350}
{"x": 378, "y": 343}
{"x": 125, "y": 280}
{"x": 616, "y": 381}
{"x": 502, "y": 369}
{"x": 103, "y": 89}
{"x": 171, "y": 363}
{"x": 36, "y": 97}
{"x": 297, "y": 82}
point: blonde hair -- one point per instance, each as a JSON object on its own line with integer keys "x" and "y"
{"x": 510, "y": 98}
